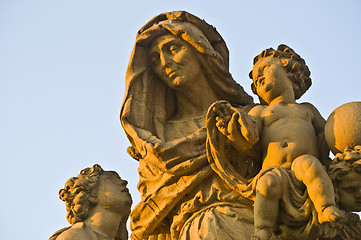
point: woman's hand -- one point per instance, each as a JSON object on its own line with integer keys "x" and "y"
{"x": 227, "y": 121}
{"x": 236, "y": 125}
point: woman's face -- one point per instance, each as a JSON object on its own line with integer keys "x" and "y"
{"x": 113, "y": 193}
{"x": 174, "y": 61}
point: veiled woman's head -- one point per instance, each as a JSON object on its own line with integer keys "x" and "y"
{"x": 171, "y": 52}
{"x": 174, "y": 61}
{"x": 192, "y": 47}
{"x": 180, "y": 54}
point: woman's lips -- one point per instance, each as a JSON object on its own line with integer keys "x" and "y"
{"x": 172, "y": 73}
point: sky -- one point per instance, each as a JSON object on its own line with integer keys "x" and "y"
{"x": 62, "y": 77}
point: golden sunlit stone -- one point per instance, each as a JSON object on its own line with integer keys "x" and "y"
{"x": 343, "y": 127}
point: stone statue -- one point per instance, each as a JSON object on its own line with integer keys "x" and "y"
{"x": 178, "y": 68}
{"x": 342, "y": 133}
{"x": 288, "y": 133}
{"x": 345, "y": 172}
{"x": 98, "y": 206}
{"x": 207, "y": 153}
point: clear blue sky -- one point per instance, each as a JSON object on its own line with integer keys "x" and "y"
{"x": 62, "y": 70}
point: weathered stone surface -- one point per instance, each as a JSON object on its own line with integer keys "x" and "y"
{"x": 345, "y": 172}
{"x": 98, "y": 206}
{"x": 290, "y": 136}
{"x": 207, "y": 153}
{"x": 178, "y": 68}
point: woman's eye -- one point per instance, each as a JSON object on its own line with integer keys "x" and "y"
{"x": 173, "y": 48}
{"x": 350, "y": 189}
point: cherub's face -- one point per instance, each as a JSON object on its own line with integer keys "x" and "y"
{"x": 174, "y": 61}
{"x": 113, "y": 193}
{"x": 270, "y": 78}
{"x": 349, "y": 191}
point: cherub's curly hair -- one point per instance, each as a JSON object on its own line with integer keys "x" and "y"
{"x": 295, "y": 66}
{"x": 344, "y": 163}
{"x": 80, "y": 194}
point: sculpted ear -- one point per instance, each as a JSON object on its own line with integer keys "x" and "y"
{"x": 338, "y": 178}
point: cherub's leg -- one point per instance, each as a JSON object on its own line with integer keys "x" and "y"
{"x": 266, "y": 205}
{"x": 312, "y": 173}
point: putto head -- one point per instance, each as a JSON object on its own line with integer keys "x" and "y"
{"x": 295, "y": 66}
{"x": 80, "y": 194}
{"x": 343, "y": 163}
{"x": 345, "y": 173}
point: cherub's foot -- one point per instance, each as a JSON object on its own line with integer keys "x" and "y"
{"x": 331, "y": 214}
{"x": 261, "y": 235}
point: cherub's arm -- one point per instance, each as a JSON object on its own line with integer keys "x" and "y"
{"x": 240, "y": 128}
{"x": 319, "y": 125}
{"x": 256, "y": 113}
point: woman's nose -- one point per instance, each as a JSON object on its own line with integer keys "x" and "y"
{"x": 164, "y": 60}
{"x": 124, "y": 183}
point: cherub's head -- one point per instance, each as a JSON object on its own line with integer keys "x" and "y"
{"x": 94, "y": 186}
{"x": 345, "y": 173}
{"x": 294, "y": 66}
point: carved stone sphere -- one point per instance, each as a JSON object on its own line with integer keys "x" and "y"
{"x": 343, "y": 127}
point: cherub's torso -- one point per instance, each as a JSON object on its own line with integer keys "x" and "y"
{"x": 287, "y": 132}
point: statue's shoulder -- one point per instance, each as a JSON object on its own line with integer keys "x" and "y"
{"x": 257, "y": 110}
{"x": 308, "y": 105}
{"x": 76, "y": 232}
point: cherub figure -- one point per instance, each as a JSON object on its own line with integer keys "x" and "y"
{"x": 98, "y": 206}
{"x": 289, "y": 134}
{"x": 345, "y": 173}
